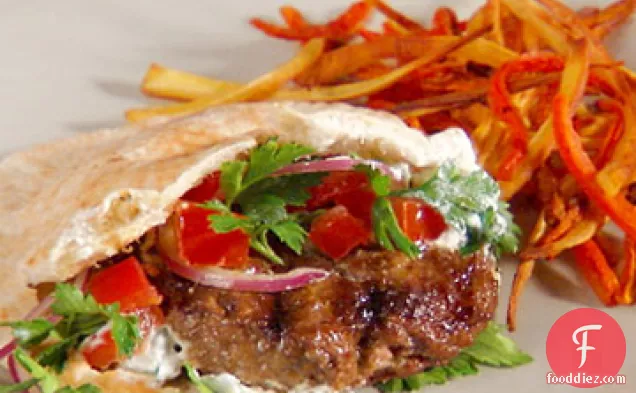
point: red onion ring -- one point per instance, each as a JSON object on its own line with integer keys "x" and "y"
{"x": 247, "y": 282}
{"x": 40, "y": 309}
{"x": 338, "y": 163}
{"x": 36, "y": 312}
{"x": 13, "y": 369}
{"x": 15, "y": 372}
{"x": 7, "y": 349}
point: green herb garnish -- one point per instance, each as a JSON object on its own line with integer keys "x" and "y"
{"x": 263, "y": 200}
{"x": 469, "y": 203}
{"x": 196, "y": 380}
{"x": 46, "y": 380}
{"x": 491, "y": 348}
{"x": 81, "y": 317}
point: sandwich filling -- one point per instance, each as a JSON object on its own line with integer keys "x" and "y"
{"x": 288, "y": 268}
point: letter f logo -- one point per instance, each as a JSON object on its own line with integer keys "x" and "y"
{"x": 584, "y": 347}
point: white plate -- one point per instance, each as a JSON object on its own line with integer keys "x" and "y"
{"x": 72, "y": 66}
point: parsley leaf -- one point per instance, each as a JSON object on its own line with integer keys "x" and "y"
{"x": 491, "y": 348}
{"x": 30, "y": 333}
{"x": 70, "y": 301}
{"x": 290, "y": 233}
{"x": 232, "y": 178}
{"x": 124, "y": 329}
{"x": 47, "y": 381}
{"x": 385, "y": 224}
{"x": 86, "y": 388}
{"x": 387, "y": 230}
{"x": 264, "y": 160}
{"x": 84, "y": 317}
{"x": 198, "y": 382}
{"x": 380, "y": 183}
{"x": 265, "y": 208}
{"x": 18, "y": 387}
{"x": 227, "y": 222}
{"x": 292, "y": 188}
{"x": 461, "y": 366}
{"x": 56, "y": 355}
{"x": 263, "y": 199}
{"x": 494, "y": 349}
{"x": 270, "y": 157}
{"x": 81, "y": 316}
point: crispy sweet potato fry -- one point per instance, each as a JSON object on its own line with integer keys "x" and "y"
{"x": 628, "y": 275}
{"x": 358, "y": 89}
{"x": 580, "y": 165}
{"x": 567, "y": 222}
{"x": 608, "y": 18}
{"x": 261, "y": 87}
{"x": 522, "y": 275}
{"x": 393, "y": 28}
{"x": 592, "y": 264}
{"x": 542, "y": 143}
{"x": 532, "y": 14}
{"x": 341, "y": 28}
{"x": 348, "y": 59}
{"x": 292, "y": 17}
{"x": 621, "y": 170}
{"x": 501, "y": 104}
{"x": 164, "y": 82}
{"x": 497, "y": 30}
{"x": 468, "y": 97}
{"x": 444, "y": 22}
{"x": 579, "y": 234}
{"x": 612, "y": 135}
{"x": 396, "y": 16}
{"x": 369, "y": 35}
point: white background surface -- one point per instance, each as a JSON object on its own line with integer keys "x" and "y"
{"x": 71, "y": 66}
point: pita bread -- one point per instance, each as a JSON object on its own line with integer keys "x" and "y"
{"x": 68, "y": 204}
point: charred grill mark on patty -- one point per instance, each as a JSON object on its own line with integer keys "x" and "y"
{"x": 379, "y": 315}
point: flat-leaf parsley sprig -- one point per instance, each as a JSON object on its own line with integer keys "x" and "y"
{"x": 77, "y": 317}
{"x": 491, "y": 348}
{"x": 469, "y": 203}
{"x": 263, "y": 199}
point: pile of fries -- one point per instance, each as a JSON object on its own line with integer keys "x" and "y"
{"x": 513, "y": 76}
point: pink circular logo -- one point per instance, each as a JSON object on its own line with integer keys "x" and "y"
{"x": 586, "y": 348}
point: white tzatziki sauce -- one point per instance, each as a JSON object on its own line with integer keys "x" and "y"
{"x": 161, "y": 355}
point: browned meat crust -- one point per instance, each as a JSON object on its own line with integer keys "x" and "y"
{"x": 379, "y": 315}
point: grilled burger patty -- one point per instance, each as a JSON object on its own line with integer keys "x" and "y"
{"x": 378, "y": 315}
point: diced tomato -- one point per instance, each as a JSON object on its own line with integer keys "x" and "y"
{"x": 201, "y": 245}
{"x": 334, "y": 184}
{"x": 125, "y": 283}
{"x": 359, "y": 203}
{"x": 350, "y": 189}
{"x": 100, "y": 351}
{"x": 336, "y": 232}
{"x": 207, "y": 190}
{"x": 418, "y": 220}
